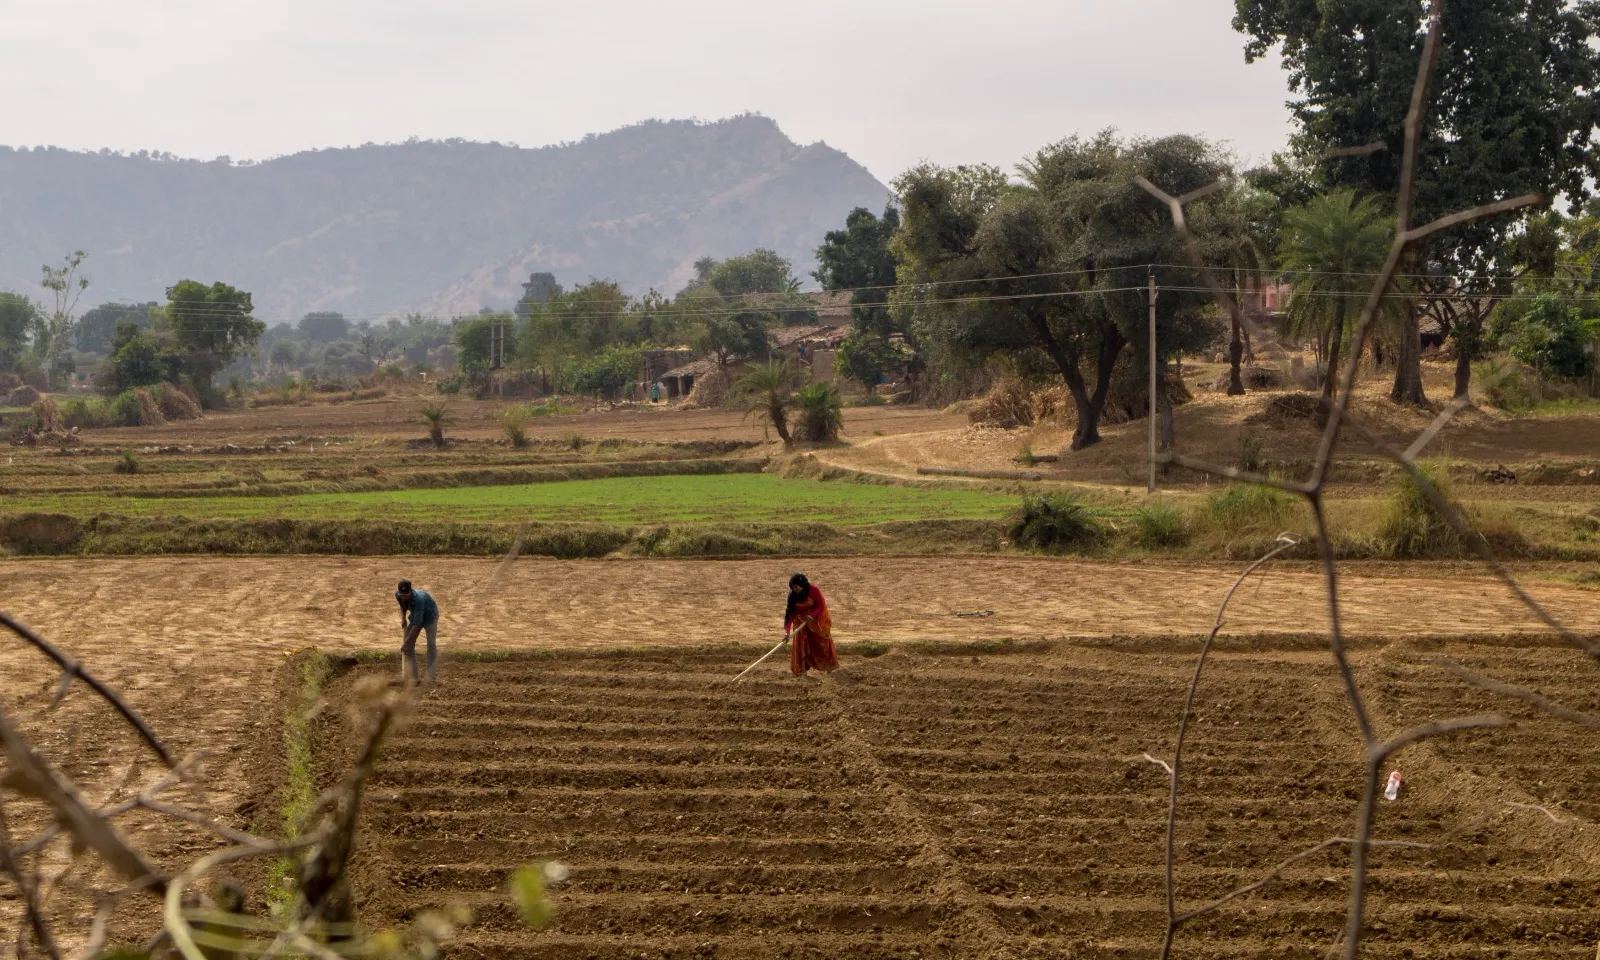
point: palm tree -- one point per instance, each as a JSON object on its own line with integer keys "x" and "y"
{"x": 437, "y": 417}
{"x": 1332, "y": 247}
{"x": 768, "y": 388}
{"x": 821, "y": 412}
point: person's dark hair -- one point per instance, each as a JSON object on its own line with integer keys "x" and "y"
{"x": 798, "y": 580}
{"x": 402, "y": 592}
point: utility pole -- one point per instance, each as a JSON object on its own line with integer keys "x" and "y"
{"x": 1153, "y": 294}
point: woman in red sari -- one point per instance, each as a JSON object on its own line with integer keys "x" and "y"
{"x": 809, "y": 627}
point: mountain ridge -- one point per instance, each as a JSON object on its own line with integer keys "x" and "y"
{"x": 431, "y": 226}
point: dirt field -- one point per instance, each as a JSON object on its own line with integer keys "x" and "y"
{"x": 922, "y": 805}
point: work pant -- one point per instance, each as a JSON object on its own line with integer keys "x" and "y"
{"x": 408, "y": 653}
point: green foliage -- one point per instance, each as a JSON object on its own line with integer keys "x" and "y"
{"x": 867, "y": 359}
{"x": 821, "y": 413}
{"x": 1551, "y": 336}
{"x": 1241, "y": 507}
{"x": 437, "y": 417}
{"x": 126, "y": 463}
{"x": 513, "y": 420}
{"x": 1159, "y": 525}
{"x": 551, "y": 407}
{"x": 96, "y": 328}
{"x": 610, "y": 372}
{"x": 324, "y": 327}
{"x": 858, "y": 259}
{"x": 1330, "y": 248}
{"x": 982, "y": 264}
{"x": 474, "y": 341}
{"x": 1055, "y": 522}
{"x": 451, "y": 385}
{"x": 529, "y": 893}
{"x": 1411, "y": 526}
{"x": 212, "y": 325}
{"x": 139, "y": 359}
{"x": 769, "y": 387}
{"x": 757, "y": 272}
{"x": 16, "y": 320}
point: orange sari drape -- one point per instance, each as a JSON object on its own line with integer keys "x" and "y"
{"x": 811, "y": 635}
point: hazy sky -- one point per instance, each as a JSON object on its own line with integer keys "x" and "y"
{"x": 890, "y": 82}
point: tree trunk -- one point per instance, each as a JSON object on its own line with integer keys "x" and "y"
{"x": 1408, "y": 364}
{"x": 1335, "y": 340}
{"x": 1235, "y": 354}
{"x": 1468, "y": 333}
{"x": 779, "y": 416}
{"x": 1088, "y": 430}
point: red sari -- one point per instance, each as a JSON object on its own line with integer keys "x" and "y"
{"x": 811, "y": 635}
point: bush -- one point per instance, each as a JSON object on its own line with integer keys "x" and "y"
{"x": 1159, "y": 525}
{"x": 1411, "y": 526}
{"x": 46, "y": 413}
{"x": 437, "y": 417}
{"x": 821, "y": 412}
{"x": 1054, "y": 522}
{"x": 512, "y": 421}
{"x": 610, "y": 372}
{"x": 450, "y": 386}
{"x": 1245, "y": 506}
{"x": 1249, "y": 458}
{"x": 126, "y": 463}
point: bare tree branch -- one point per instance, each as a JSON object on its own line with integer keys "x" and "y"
{"x": 27, "y": 890}
{"x": 30, "y": 773}
{"x": 72, "y": 668}
{"x": 1285, "y": 542}
{"x": 1521, "y": 693}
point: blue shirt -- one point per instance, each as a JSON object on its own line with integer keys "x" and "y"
{"x": 423, "y": 609}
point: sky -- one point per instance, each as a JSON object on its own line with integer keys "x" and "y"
{"x": 889, "y": 82}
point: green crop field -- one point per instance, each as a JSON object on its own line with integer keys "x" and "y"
{"x": 734, "y": 498}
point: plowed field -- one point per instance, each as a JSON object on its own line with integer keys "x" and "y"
{"x": 929, "y": 804}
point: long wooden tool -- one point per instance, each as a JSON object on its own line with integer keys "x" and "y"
{"x": 764, "y": 656}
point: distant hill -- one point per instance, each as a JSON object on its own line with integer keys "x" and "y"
{"x": 441, "y": 227}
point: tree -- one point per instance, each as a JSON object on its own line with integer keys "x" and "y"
{"x": 859, "y": 259}
{"x": 437, "y": 417}
{"x": 821, "y": 412}
{"x": 475, "y": 341}
{"x": 324, "y": 327}
{"x": 1549, "y": 335}
{"x": 213, "y": 326}
{"x": 1331, "y": 248}
{"x": 95, "y": 328}
{"x": 1057, "y": 266}
{"x": 53, "y": 340}
{"x": 283, "y": 355}
{"x": 16, "y": 320}
{"x": 1512, "y": 109}
{"x": 770, "y": 390}
{"x": 610, "y": 372}
{"x": 867, "y": 358}
{"x": 540, "y": 289}
{"x": 138, "y": 358}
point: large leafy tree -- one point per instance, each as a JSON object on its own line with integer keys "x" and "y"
{"x": 212, "y": 325}
{"x": 859, "y": 259}
{"x": 96, "y": 328}
{"x": 1058, "y": 265}
{"x": 1513, "y": 108}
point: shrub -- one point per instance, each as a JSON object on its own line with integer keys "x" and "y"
{"x": 1055, "y": 522}
{"x": 575, "y": 441}
{"x": 1158, "y": 525}
{"x": 1411, "y": 526}
{"x": 512, "y": 421}
{"x": 551, "y": 407}
{"x": 450, "y": 386}
{"x": 391, "y": 371}
{"x": 1249, "y": 458}
{"x": 437, "y": 417}
{"x": 821, "y": 412}
{"x": 1245, "y": 506}
{"x": 126, "y": 463}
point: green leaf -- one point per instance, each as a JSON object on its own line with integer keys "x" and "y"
{"x": 528, "y": 892}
